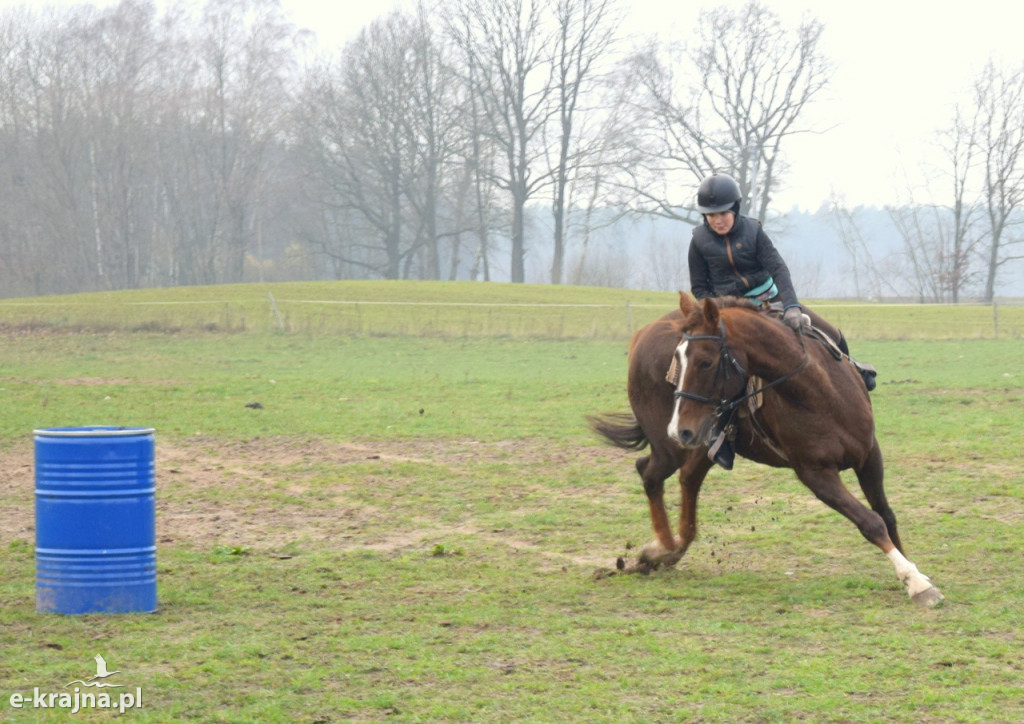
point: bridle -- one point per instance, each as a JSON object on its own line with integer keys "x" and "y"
{"x": 727, "y": 363}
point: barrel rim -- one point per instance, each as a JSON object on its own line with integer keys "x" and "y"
{"x": 93, "y": 431}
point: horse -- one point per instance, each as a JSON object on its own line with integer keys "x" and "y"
{"x": 793, "y": 400}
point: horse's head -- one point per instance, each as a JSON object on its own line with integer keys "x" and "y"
{"x": 710, "y": 374}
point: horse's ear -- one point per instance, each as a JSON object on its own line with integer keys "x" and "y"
{"x": 686, "y": 304}
{"x": 711, "y": 311}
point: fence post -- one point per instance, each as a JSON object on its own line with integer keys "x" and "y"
{"x": 277, "y": 314}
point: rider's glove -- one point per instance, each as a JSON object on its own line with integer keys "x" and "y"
{"x": 793, "y": 317}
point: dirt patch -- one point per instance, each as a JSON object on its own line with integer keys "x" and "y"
{"x": 17, "y": 505}
{"x": 270, "y": 494}
{"x": 281, "y": 496}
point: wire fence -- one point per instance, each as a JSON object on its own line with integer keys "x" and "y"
{"x": 272, "y": 313}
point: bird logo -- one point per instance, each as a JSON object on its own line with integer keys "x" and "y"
{"x": 101, "y": 673}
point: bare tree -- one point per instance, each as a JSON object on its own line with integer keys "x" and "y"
{"x": 752, "y": 80}
{"x": 382, "y": 136}
{"x": 365, "y": 152}
{"x": 507, "y": 46}
{"x": 142, "y": 146}
{"x": 870, "y": 273}
{"x": 667, "y": 266}
{"x": 75, "y": 94}
{"x": 759, "y": 84}
{"x": 585, "y": 34}
{"x": 606, "y": 165}
{"x": 247, "y": 64}
{"x": 23, "y": 239}
{"x": 939, "y": 238}
{"x": 225, "y": 92}
{"x": 929, "y": 262}
{"x": 437, "y": 121}
{"x": 961, "y": 144}
{"x": 999, "y": 99}
{"x": 118, "y": 53}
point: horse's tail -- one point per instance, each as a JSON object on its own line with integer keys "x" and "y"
{"x": 621, "y": 430}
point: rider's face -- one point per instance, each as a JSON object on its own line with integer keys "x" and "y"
{"x": 721, "y": 222}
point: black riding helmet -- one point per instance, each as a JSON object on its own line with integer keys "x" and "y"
{"x": 718, "y": 192}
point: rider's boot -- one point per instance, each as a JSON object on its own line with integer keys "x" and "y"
{"x": 867, "y": 372}
{"x": 720, "y": 450}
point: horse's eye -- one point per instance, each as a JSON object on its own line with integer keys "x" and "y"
{"x": 705, "y": 364}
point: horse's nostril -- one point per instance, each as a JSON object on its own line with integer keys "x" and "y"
{"x": 686, "y": 436}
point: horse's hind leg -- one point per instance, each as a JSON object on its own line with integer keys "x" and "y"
{"x": 829, "y": 489}
{"x": 871, "y": 476}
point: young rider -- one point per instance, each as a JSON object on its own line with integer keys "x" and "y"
{"x": 731, "y": 255}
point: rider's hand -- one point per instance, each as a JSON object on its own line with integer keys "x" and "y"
{"x": 793, "y": 317}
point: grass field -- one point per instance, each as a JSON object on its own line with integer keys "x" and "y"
{"x": 409, "y": 526}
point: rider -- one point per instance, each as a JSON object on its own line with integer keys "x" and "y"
{"x": 731, "y": 255}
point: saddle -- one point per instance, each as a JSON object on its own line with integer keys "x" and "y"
{"x": 836, "y": 347}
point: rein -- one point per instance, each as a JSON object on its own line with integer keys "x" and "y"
{"x": 727, "y": 360}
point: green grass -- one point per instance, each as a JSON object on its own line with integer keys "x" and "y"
{"x": 408, "y": 530}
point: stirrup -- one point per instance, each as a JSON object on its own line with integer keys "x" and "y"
{"x": 721, "y": 452}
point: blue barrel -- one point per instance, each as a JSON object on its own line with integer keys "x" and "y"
{"x": 95, "y": 520}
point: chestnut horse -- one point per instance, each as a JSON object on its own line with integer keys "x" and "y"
{"x": 813, "y": 415}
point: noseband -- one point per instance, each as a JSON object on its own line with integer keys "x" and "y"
{"x": 726, "y": 362}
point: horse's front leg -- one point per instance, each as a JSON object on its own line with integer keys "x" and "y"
{"x": 665, "y": 550}
{"x": 691, "y": 477}
{"x": 653, "y": 470}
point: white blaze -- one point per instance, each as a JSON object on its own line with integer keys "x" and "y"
{"x": 673, "y": 426}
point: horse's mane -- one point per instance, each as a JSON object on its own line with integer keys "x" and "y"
{"x": 722, "y": 303}
{"x": 742, "y": 302}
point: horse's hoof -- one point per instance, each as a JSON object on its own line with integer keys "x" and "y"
{"x": 654, "y": 556}
{"x": 929, "y": 597}
{"x": 641, "y": 566}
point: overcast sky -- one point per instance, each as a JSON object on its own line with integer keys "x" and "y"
{"x": 901, "y": 65}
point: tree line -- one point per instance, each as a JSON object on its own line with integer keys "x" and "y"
{"x": 215, "y": 143}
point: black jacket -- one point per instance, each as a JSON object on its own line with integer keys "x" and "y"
{"x": 733, "y": 264}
